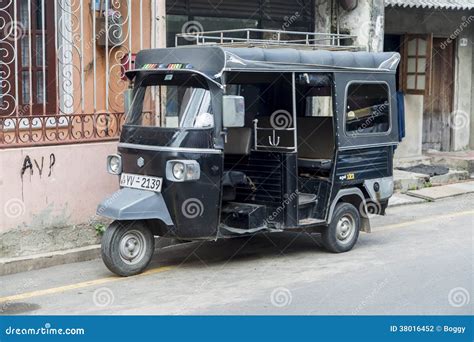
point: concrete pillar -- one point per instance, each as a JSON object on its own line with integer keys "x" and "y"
{"x": 366, "y": 21}
{"x": 410, "y": 147}
{"x": 158, "y": 34}
{"x": 462, "y": 116}
{"x": 323, "y": 16}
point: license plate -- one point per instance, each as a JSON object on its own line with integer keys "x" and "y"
{"x": 129, "y": 180}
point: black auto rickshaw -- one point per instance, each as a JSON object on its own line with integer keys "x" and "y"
{"x": 223, "y": 142}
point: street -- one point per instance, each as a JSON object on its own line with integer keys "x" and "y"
{"x": 418, "y": 260}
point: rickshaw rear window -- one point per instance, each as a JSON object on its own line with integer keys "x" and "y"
{"x": 367, "y": 108}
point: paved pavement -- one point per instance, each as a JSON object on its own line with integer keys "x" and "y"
{"x": 443, "y": 191}
{"x": 418, "y": 260}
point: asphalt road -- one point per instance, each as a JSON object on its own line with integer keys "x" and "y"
{"x": 418, "y": 260}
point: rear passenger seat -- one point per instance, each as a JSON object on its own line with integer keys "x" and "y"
{"x": 315, "y": 141}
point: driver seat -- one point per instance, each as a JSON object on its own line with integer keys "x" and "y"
{"x": 239, "y": 142}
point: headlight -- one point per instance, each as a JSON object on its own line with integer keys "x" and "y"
{"x": 178, "y": 170}
{"x": 182, "y": 170}
{"x": 114, "y": 164}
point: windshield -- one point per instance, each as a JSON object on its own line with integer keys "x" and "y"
{"x": 171, "y": 106}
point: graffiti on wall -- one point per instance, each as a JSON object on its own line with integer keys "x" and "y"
{"x": 38, "y": 165}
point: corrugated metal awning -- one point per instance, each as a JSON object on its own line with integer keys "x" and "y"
{"x": 432, "y": 4}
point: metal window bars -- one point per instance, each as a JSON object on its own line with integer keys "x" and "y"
{"x": 250, "y": 37}
{"x": 82, "y": 51}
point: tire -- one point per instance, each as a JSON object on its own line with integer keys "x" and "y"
{"x": 127, "y": 247}
{"x": 342, "y": 233}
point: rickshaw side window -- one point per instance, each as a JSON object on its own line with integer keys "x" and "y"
{"x": 314, "y": 101}
{"x": 368, "y": 108}
{"x": 171, "y": 106}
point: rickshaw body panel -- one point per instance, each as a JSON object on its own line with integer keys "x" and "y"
{"x": 362, "y": 160}
{"x": 193, "y": 205}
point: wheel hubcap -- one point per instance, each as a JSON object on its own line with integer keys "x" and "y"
{"x": 132, "y": 247}
{"x": 345, "y": 228}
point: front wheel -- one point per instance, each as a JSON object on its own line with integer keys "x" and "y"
{"x": 342, "y": 233}
{"x": 127, "y": 247}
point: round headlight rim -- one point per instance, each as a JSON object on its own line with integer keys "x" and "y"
{"x": 182, "y": 171}
{"x": 114, "y": 164}
{"x": 191, "y": 170}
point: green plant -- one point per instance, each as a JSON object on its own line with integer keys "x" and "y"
{"x": 427, "y": 184}
{"x": 100, "y": 228}
{"x": 412, "y": 187}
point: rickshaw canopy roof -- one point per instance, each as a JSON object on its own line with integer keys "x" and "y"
{"x": 212, "y": 61}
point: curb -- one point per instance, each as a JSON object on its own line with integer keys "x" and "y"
{"x": 69, "y": 256}
{"x": 37, "y": 261}
{"x": 410, "y": 200}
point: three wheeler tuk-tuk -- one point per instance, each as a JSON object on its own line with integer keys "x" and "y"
{"x": 222, "y": 142}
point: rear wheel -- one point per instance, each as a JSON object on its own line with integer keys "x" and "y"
{"x": 342, "y": 233}
{"x": 127, "y": 247}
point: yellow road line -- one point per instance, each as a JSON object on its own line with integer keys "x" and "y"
{"x": 54, "y": 290}
{"x": 425, "y": 220}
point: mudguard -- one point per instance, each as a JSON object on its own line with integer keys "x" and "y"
{"x": 134, "y": 204}
{"x": 365, "y": 222}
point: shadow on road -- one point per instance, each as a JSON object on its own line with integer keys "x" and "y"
{"x": 259, "y": 246}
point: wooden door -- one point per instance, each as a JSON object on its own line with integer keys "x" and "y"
{"x": 438, "y": 103}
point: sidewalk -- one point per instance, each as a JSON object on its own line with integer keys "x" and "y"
{"x": 438, "y": 192}
{"x": 461, "y": 160}
{"x": 405, "y": 180}
{"x": 460, "y": 164}
{"x": 431, "y": 193}
{"x": 412, "y": 187}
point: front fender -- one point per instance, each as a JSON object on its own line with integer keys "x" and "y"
{"x": 134, "y": 204}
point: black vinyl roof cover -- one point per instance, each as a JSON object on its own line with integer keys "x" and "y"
{"x": 213, "y": 60}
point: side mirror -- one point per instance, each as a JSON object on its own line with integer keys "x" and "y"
{"x": 233, "y": 111}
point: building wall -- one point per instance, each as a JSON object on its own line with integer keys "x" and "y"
{"x": 441, "y": 24}
{"x": 49, "y": 194}
{"x": 51, "y": 187}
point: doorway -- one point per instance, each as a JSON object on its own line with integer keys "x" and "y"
{"x": 438, "y": 103}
